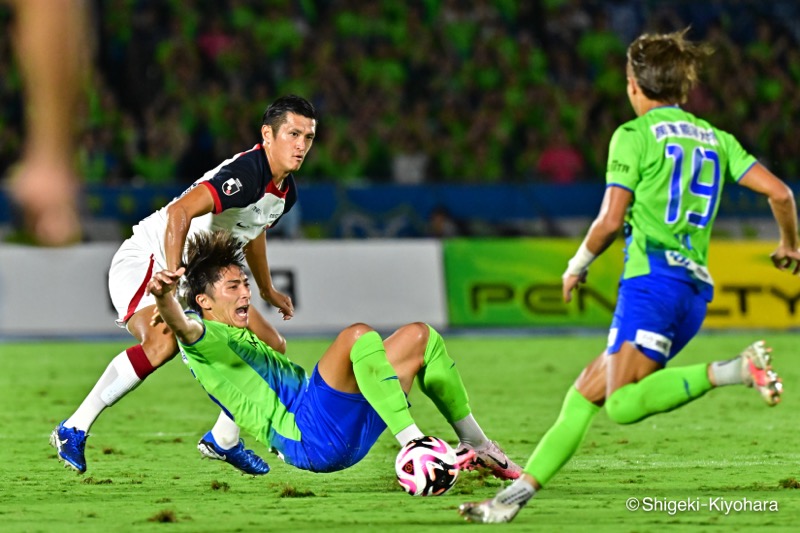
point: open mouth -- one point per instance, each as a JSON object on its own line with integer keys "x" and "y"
{"x": 242, "y": 311}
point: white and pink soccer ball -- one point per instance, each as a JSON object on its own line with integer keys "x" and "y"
{"x": 426, "y": 467}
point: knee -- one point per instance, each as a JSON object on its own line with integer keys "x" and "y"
{"x": 417, "y": 332}
{"x": 160, "y": 349}
{"x": 614, "y": 414}
{"x": 353, "y": 332}
{"x": 618, "y": 409}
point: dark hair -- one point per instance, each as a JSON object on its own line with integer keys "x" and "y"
{"x": 207, "y": 256}
{"x": 665, "y": 66}
{"x": 275, "y": 115}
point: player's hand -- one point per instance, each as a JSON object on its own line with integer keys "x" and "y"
{"x": 47, "y": 191}
{"x": 786, "y": 259}
{"x": 570, "y": 282}
{"x": 281, "y": 301}
{"x": 164, "y": 282}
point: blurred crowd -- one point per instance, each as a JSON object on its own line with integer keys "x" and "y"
{"x": 408, "y": 92}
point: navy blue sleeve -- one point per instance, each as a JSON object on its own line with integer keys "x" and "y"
{"x": 238, "y": 184}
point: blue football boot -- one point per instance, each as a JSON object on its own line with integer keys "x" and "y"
{"x": 238, "y": 456}
{"x": 70, "y": 443}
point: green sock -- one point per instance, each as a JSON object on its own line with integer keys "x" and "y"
{"x": 661, "y": 391}
{"x": 378, "y": 382}
{"x": 563, "y": 438}
{"x": 440, "y": 381}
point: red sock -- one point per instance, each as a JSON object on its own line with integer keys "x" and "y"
{"x": 139, "y": 361}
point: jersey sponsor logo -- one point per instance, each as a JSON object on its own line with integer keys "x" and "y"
{"x": 231, "y": 187}
{"x": 698, "y": 272}
{"x": 685, "y": 130}
{"x": 616, "y": 166}
{"x": 653, "y": 341}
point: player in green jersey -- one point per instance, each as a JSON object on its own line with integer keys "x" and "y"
{"x": 327, "y": 421}
{"x": 666, "y": 170}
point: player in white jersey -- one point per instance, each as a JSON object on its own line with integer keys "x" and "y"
{"x": 244, "y": 195}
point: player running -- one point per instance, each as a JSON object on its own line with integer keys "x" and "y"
{"x": 245, "y": 195}
{"x": 330, "y": 420}
{"x": 665, "y": 174}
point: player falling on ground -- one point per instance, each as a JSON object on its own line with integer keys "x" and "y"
{"x": 245, "y": 195}
{"x": 330, "y": 420}
{"x": 666, "y": 170}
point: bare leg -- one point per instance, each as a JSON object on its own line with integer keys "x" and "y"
{"x": 53, "y": 56}
{"x": 127, "y": 370}
{"x": 357, "y": 361}
{"x": 405, "y": 349}
{"x": 629, "y": 365}
{"x": 335, "y": 365}
{"x": 593, "y": 380}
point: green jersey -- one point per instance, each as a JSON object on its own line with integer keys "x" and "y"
{"x": 247, "y": 378}
{"x": 676, "y": 166}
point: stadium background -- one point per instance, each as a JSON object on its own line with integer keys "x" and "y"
{"x": 438, "y": 119}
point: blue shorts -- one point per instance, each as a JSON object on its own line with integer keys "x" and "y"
{"x": 658, "y": 314}
{"x": 337, "y": 428}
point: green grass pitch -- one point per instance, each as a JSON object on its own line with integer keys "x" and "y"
{"x": 145, "y": 474}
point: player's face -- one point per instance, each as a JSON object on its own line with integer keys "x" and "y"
{"x": 287, "y": 148}
{"x": 231, "y": 298}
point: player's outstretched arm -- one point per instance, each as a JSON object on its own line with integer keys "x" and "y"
{"x": 162, "y": 285}
{"x": 781, "y": 200}
{"x": 601, "y": 234}
{"x": 256, "y": 254}
{"x": 180, "y": 213}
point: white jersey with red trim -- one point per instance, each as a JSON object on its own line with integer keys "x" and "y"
{"x": 246, "y": 203}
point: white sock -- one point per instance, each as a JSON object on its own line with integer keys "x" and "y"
{"x": 727, "y": 372}
{"x": 408, "y": 434}
{"x": 469, "y": 432}
{"x": 518, "y": 493}
{"x": 225, "y": 432}
{"x": 118, "y": 380}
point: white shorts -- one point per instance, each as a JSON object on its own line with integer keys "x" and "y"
{"x": 131, "y": 269}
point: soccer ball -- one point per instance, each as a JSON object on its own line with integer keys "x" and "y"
{"x": 426, "y": 467}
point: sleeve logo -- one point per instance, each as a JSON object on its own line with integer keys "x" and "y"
{"x": 616, "y": 166}
{"x": 231, "y": 187}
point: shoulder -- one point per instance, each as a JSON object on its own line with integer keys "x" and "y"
{"x": 250, "y": 164}
{"x": 726, "y": 141}
{"x": 631, "y": 132}
{"x": 198, "y": 330}
{"x": 217, "y": 335}
{"x": 238, "y": 181}
{"x": 638, "y": 125}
